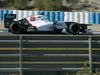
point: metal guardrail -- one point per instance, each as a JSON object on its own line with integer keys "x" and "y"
{"x": 41, "y": 53}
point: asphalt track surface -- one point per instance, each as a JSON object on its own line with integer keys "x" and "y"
{"x": 46, "y": 34}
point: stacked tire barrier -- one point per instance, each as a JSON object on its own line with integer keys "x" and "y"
{"x": 35, "y": 54}
{"x": 80, "y": 17}
{"x": 54, "y": 15}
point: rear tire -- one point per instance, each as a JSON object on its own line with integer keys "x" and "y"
{"x": 15, "y": 28}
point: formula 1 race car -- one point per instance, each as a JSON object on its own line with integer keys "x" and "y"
{"x": 39, "y": 23}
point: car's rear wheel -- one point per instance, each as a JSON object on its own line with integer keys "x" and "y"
{"x": 15, "y": 28}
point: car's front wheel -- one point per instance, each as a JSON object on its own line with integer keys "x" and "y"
{"x": 74, "y": 28}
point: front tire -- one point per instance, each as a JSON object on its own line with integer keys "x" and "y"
{"x": 74, "y": 28}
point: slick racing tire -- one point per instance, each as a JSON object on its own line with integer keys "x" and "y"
{"x": 15, "y": 28}
{"x": 74, "y": 28}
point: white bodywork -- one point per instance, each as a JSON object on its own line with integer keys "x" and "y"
{"x": 41, "y": 23}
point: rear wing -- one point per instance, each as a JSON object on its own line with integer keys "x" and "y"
{"x": 8, "y": 19}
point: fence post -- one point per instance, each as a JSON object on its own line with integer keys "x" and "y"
{"x": 20, "y": 54}
{"x": 90, "y": 54}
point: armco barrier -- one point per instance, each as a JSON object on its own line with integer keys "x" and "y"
{"x": 49, "y": 53}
